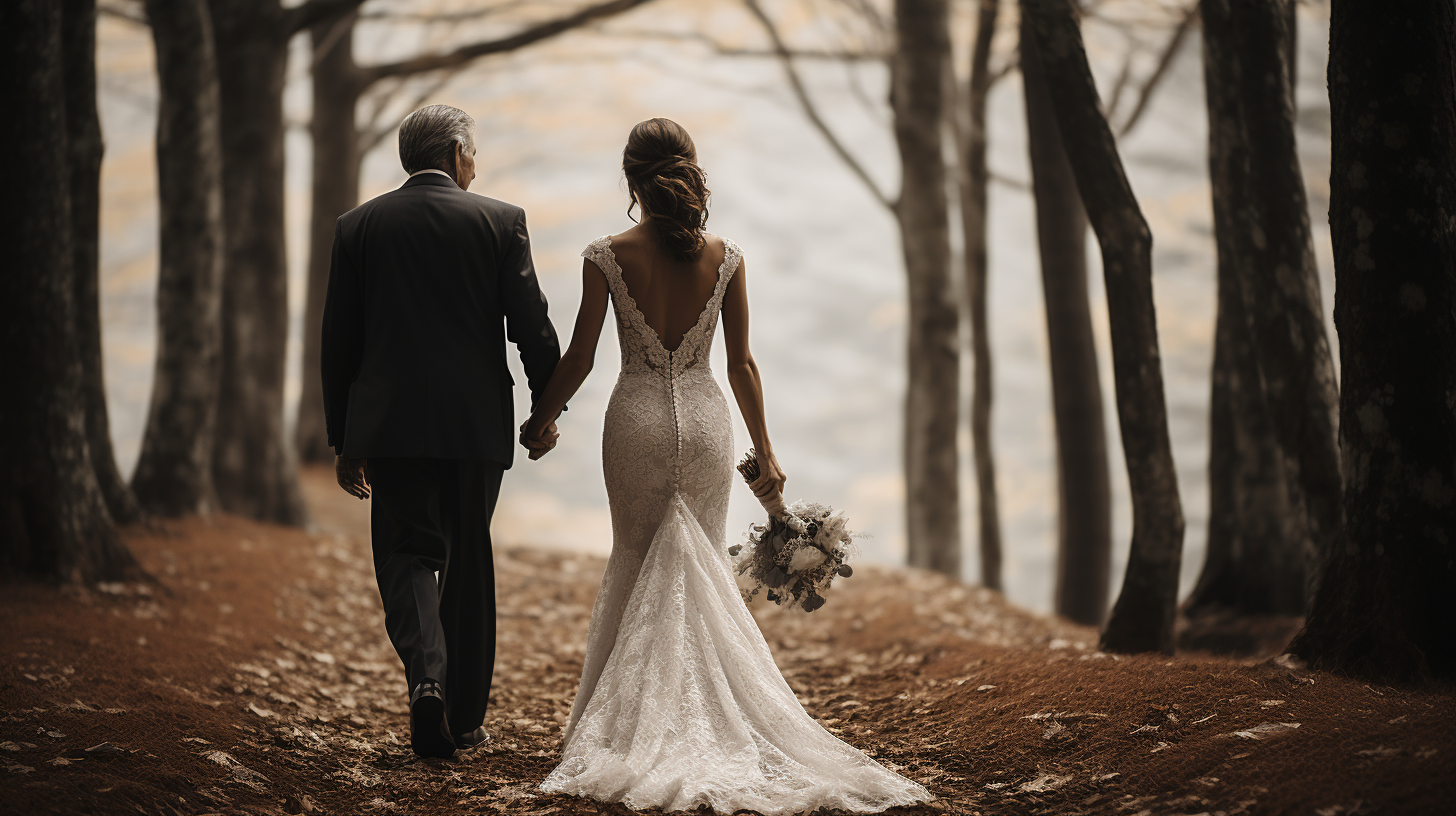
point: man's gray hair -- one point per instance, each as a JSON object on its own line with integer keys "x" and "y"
{"x": 427, "y": 138}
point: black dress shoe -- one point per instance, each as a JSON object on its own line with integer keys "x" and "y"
{"x": 465, "y": 742}
{"x": 428, "y": 735}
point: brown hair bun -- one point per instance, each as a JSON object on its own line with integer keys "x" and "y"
{"x": 664, "y": 179}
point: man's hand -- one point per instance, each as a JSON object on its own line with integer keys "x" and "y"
{"x": 540, "y": 443}
{"x": 350, "y": 473}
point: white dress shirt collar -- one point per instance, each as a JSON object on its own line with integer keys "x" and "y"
{"x": 432, "y": 170}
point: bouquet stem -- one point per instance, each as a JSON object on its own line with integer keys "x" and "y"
{"x": 773, "y": 504}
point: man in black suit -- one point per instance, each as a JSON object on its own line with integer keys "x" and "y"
{"x": 427, "y": 283}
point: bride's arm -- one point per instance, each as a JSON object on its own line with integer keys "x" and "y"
{"x": 747, "y": 387}
{"x": 576, "y": 363}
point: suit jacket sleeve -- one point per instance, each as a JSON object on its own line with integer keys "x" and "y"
{"x": 527, "y": 324}
{"x": 342, "y": 345}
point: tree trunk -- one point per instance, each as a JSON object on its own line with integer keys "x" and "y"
{"x": 1386, "y": 602}
{"x": 253, "y": 464}
{"x": 53, "y": 518}
{"x": 975, "y": 178}
{"x": 1250, "y": 592}
{"x": 1142, "y": 618}
{"x": 337, "y": 85}
{"x": 1084, "y": 530}
{"x": 84, "y": 161}
{"x": 1251, "y": 105}
{"x": 174, "y": 473}
{"x": 931, "y": 404}
{"x": 1255, "y": 561}
{"x": 1256, "y": 548}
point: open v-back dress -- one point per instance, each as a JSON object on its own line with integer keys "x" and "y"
{"x": 681, "y": 703}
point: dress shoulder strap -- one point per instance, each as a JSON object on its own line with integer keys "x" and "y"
{"x": 600, "y": 253}
{"x": 732, "y": 257}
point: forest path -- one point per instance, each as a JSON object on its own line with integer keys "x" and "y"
{"x": 254, "y": 677}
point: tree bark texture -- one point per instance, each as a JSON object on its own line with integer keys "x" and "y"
{"x": 917, "y": 97}
{"x": 174, "y": 474}
{"x": 1257, "y": 548}
{"x": 1142, "y": 618}
{"x": 1260, "y": 201}
{"x": 54, "y": 522}
{"x": 254, "y": 466}
{"x": 1385, "y": 606}
{"x": 1084, "y": 528}
{"x": 84, "y": 163}
{"x": 1256, "y": 560}
{"x": 973, "y": 186}
{"x": 337, "y": 86}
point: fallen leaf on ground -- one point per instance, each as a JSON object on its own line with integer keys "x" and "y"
{"x": 242, "y": 774}
{"x": 1045, "y": 782}
{"x": 1263, "y": 731}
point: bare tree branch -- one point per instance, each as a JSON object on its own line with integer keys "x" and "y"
{"x": 1013, "y": 62}
{"x": 869, "y": 11}
{"x": 723, "y": 49}
{"x": 1119, "y": 85}
{"x": 380, "y": 101}
{"x": 374, "y": 133}
{"x": 343, "y": 26}
{"x": 122, "y": 10}
{"x": 444, "y": 17}
{"x": 876, "y": 109}
{"x": 811, "y": 110}
{"x": 315, "y": 11}
{"x": 469, "y": 53}
{"x": 1169, "y": 51}
{"x": 1007, "y": 181}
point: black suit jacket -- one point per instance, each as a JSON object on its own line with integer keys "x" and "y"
{"x": 426, "y": 284}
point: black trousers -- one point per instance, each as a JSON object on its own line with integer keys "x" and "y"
{"x": 432, "y": 516}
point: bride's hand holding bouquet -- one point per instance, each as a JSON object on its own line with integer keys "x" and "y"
{"x": 768, "y": 484}
{"x": 801, "y": 549}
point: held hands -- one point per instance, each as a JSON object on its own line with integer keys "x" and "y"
{"x": 350, "y": 473}
{"x": 771, "y": 477}
{"x": 538, "y": 438}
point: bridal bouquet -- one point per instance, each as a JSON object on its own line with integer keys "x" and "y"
{"x": 797, "y": 554}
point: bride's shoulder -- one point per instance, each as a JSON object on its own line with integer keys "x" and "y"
{"x": 598, "y": 248}
{"x": 612, "y": 244}
{"x": 719, "y": 246}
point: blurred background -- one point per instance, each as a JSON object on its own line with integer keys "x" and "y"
{"x": 827, "y": 281}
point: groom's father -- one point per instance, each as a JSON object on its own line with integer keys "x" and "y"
{"x": 427, "y": 282}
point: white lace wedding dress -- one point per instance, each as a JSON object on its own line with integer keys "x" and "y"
{"x": 680, "y": 702}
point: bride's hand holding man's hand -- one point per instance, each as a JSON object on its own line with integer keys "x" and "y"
{"x": 538, "y": 437}
{"x": 771, "y": 477}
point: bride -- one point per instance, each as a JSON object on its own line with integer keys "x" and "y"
{"x": 680, "y": 703}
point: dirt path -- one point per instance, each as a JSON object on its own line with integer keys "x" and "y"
{"x": 253, "y": 677}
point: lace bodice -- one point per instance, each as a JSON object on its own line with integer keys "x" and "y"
{"x": 680, "y": 702}
{"x": 640, "y": 344}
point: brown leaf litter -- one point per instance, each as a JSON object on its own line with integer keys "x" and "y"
{"x": 253, "y": 677}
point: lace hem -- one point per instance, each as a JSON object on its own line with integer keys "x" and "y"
{"x": 691, "y": 709}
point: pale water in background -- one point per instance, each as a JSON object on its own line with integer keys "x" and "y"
{"x": 826, "y": 284}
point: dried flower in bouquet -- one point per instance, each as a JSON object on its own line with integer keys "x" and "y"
{"x": 797, "y": 554}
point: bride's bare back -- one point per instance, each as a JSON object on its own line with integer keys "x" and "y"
{"x": 670, "y": 293}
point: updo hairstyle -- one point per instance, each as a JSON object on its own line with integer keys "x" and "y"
{"x": 664, "y": 179}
